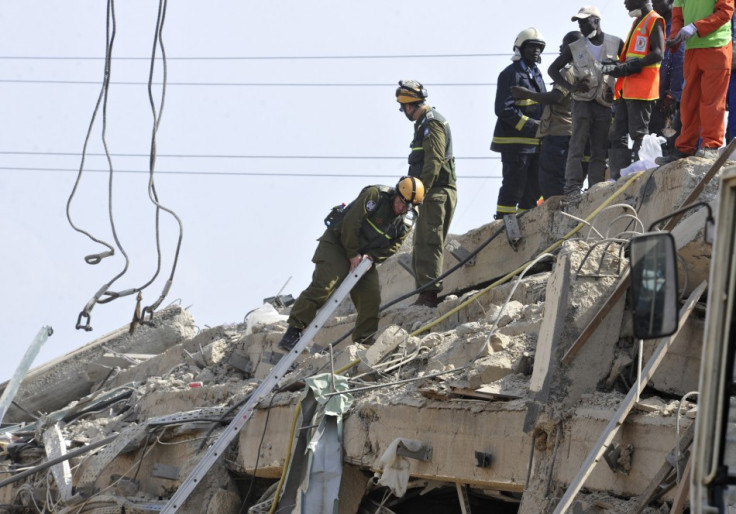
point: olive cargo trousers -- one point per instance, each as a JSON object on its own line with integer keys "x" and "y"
{"x": 331, "y": 268}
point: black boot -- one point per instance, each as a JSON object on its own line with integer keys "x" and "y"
{"x": 291, "y": 337}
{"x": 618, "y": 159}
{"x": 427, "y": 299}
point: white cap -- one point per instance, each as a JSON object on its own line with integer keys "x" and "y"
{"x": 586, "y": 12}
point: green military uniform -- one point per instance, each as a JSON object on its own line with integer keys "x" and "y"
{"x": 431, "y": 161}
{"x": 368, "y": 227}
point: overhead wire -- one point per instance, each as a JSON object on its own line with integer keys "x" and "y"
{"x": 241, "y": 173}
{"x": 244, "y": 84}
{"x": 235, "y": 156}
{"x": 258, "y": 57}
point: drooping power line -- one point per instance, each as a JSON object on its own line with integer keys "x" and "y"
{"x": 252, "y": 57}
{"x": 241, "y": 84}
{"x": 233, "y": 173}
{"x": 234, "y": 156}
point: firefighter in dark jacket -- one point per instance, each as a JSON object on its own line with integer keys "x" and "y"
{"x": 516, "y": 126}
{"x": 431, "y": 161}
{"x": 372, "y": 227}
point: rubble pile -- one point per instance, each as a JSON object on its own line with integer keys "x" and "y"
{"x": 492, "y": 400}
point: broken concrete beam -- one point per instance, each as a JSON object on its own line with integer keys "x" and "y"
{"x": 163, "y": 399}
{"x": 651, "y": 436}
{"x": 658, "y": 193}
{"x": 555, "y": 315}
{"x": 450, "y": 428}
{"x": 272, "y": 453}
{"x": 679, "y": 372}
{"x": 52, "y": 386}
{"x": 353, "y": 487}
{"x": 182, "y": 452}
{"x": 689, "y": 237}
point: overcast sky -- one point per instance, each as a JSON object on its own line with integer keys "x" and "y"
{"x": 274, "y": 112}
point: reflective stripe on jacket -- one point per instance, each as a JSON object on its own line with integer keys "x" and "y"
{"x": 517, "y": 120}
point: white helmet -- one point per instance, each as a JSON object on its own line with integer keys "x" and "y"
{"x": 530, "y": 35}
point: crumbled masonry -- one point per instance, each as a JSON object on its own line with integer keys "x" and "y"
{"x": 493, "y": 386}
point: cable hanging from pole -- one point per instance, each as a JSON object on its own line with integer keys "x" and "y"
{"x": 147, "y": 312}
{"x": 104, "y": 293}
{"x": 83, "y": 321}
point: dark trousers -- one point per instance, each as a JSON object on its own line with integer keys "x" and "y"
{"x": 552, "y": 161}
{"x": 631, "y": 119}
{"x": 658, "y": 122}
{"x": 731, "y": 104}
{"x": 520, "y": 185}
{"x": 590, "y": 124}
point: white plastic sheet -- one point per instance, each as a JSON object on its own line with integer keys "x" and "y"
{"x": 264, "y": 315}
{"x": 651, "y": 148}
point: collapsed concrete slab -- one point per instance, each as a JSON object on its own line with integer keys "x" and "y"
{"x": 53, "y": 385}
{"x": 493, "y": 385}
{"x": 653, "y": 194}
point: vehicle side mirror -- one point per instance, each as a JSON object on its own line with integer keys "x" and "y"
{"x": 654, "y": 285}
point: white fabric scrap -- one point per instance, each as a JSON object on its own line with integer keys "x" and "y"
{"x": 395, "y": 474}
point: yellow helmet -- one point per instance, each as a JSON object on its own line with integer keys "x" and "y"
{"x": 411, "y": 190}
{"x": 410, "y": 91}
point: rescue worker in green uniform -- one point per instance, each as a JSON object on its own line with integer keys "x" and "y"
{"x": 373, "y": 227}
{"x": 430, "y": 160}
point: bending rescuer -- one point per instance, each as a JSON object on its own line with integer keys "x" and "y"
{"x": 373, "y": 227}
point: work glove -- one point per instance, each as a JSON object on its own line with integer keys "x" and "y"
{"x": 622, "y": 69}
{"x": 685, "y": 33}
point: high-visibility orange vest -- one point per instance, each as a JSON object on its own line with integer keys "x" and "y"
{"x": 645, "y": 84}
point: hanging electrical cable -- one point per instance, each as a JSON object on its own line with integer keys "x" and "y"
{"x": 104, "y": 293}
{"x": 83, "y": 320}
{"x": 147, "y": 311}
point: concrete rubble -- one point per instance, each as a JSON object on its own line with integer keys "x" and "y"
{"x": 498, "y": 389}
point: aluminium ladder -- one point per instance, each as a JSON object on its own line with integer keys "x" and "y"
{"x": 264, "y": 389}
